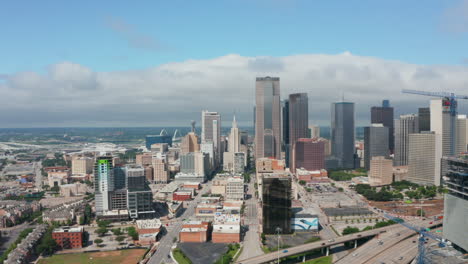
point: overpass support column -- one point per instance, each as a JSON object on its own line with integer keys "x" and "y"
{"x": 303, "y": 259}
{"x": 355, "y": 243}
{"x": 328, "y": 251}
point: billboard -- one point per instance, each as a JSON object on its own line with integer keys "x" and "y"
{"x": 305, "y": 224}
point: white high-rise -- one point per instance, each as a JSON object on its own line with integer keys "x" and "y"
{"x": 444, "y": 124}
{"x": 407, "y": 124}
{"x": 462, "y": 134}
{"x": 233, "y": 148}
{"x": 424, "y": 158}
{"x": 211, "y": 131}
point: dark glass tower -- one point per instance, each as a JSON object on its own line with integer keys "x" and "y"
{"x": 424, "y": 119}
{"x": 342, "y": 133}
{"x": 384, "y": 115}
{"x": 277, "y": 211}
{"x": 375, "y": 143}
{"x": 285, "y": 129}
{"x": 298, "y": 118}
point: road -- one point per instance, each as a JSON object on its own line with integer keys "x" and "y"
{"x": 251, "y": 244}
{"x": 166, "y": 243}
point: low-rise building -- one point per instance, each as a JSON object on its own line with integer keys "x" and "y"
{"x": 24, "y": 251}
{"x": 68, "y": 237}
{"x": 149, "y": 231}
{"x": 181, "y": 196}
{"x": 193, "y": 234}
{"x": 311, "y": 176}
{"x": 235, "y": 188}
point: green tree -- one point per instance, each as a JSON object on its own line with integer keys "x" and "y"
{"x": 117, "y": 231}
{"x": 132, "y": 232}
{"x": 120, "y": 238}
{"x": 350, "y": 230}
{"x": 98, "y": 241}
{"x": 302, "y": 182}
{"x": 104, "y": 223}
{"x": 101, "y": 231}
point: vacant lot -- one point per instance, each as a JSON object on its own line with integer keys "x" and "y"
{"x": 109, "y": 257}
{"x": 430, "y": 207}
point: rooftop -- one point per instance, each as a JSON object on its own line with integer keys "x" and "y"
{"x": 68, "y": 229}
{"x": 148, "y": 224}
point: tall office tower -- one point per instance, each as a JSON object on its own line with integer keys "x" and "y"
{"x": 375, "y": 143}
{"x": 342, "y": 133}
{"x": 276, "y": 197}
{"x": 462, "y": 134}
{"x": 443, "y": 122}
{"x": 139, "y": 195}
{"x": 211, "y": 131}
{"x": 381, "y": 171}
{"x": 103, "y": 183}
{"x": 298, "y": 118}
{"x": 424, "y": 119}
{"x": 239, "y": 163}
{"x": 384, "y": 115}
{"x": 82, "y": 166}
{"x": 456, "y": 201}
{"x": 120, "y": 180}
{"x": 163, "y": 137}
{"x": 160, "y": 168}
{"x": 267, "y": 118}
{"x": 234, "y": 137}
{"x": 195, "y": 163}
{"x": 208, "y": 148}
{"x": 285, "y": 147}
{"x": 189, "y": 143}
{"x": 407, "y": 124}
{"x": 314, "y": 131}
{"x": 424, "y": 158}
{"x": 309, "y": 154}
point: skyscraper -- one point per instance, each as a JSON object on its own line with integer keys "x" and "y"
{"x": 267, "y": 118}
{"x": 234, "y": 146}
{"x": 381, "y": 171}
{"x": 375, "y": 143}
{"x": 276, "y": 197}
{"x": 211, "y": 131}
{"x": 443, "y": 122}
{"x": 285, "y": 129}
{"x": 424, "y": 158}
{"x": 314, "y": 131}
{"x": 384, "y": 115}
{"x": 139, "y": 195}
{"x": 462, "y": 134}
{"x": 424, "y": 119}
{"x": 407, "y": 124}
{"x": 103, "y": 183}
{"x": 189, "y": 143}
{"x": 309, "y": 154}
{"x": 298, "y": 118}
{"x": 342, "y": 133}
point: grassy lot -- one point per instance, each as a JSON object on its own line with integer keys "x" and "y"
{"x": 180, "y": 257}
{"x": 322, "y": 260}
{"x": 108, "y": 257}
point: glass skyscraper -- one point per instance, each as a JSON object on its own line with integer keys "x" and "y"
{"x": 342, "y": 133}
{"x": 276, "y": 198}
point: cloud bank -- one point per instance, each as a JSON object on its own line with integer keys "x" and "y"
{"x": 69, "y": 94}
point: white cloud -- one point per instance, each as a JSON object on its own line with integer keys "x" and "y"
{"x": 455, "y": 18}
{"x": 175, "y": 93}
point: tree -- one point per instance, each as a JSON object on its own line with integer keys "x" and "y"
{"x": 101, "y": 231}
{"x": 302, "y": 182}
{"x": 350, "y": 230}
{"x": 117, "y": 231}
{"x": 340, "y": 189}
{"x": 120, "y": 238}
{"x": 132, "y": 232}
{"x": 55, "y": 189}
{"x": 98, "y": 241}
{"x": 104, "y": 223}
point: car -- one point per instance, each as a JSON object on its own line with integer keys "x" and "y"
{"x": 323, "y": 244}
{"x": 358, "y": 235}
{"x": 285, "y": 251}
{"x": 331, "y": 240}
{"x": 414, "y": 241}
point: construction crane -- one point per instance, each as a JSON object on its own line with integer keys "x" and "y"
{"x": 449, "y": 105}
{"x": 422, "y": 257}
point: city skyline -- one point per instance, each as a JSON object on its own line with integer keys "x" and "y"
{"x": 151, "y": 73}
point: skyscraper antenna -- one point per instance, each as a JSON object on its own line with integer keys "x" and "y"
{"x": 193, "y": 126}
{"x": 342, "y": 96}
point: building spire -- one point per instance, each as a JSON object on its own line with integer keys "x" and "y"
{"x": 234, "y": 122}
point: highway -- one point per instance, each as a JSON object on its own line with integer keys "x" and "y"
{"x": 361, "y": 255}
{"x": 166, "y": 243}
{"x": 251, "y": 244}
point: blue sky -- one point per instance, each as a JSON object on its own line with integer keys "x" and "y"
{"x": 36, "y": 34}
{"x": 156, "y": 63}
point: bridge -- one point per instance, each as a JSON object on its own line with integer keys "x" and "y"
{"x": 292, "y": 251}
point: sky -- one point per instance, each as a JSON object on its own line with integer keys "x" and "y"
{"x": 159, "y": 63}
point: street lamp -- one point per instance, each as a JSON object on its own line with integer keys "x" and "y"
{"x": 278, "y": 231}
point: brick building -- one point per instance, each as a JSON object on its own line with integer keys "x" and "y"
{"x": 68, "y": 237}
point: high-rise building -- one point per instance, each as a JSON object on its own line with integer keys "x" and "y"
{"x": 375, "y": 143}
{"x": 424, "y": 119}
{"x": 384, "y": 115}
{"x": 298, "y": 118}
{"x": 160, "y": 168}
{"x": 381, "y": 171}
{"x": 103, "y": 183}
{"x": 163, "y": 137}
{"x": 342, "y": 133}
{"x": 208, "y": 148}
{"x": 82, "y": 166}
{"x": 314, "y": 131}
{"x": 234, "y": 147}
{"x": 211, "y": 131}
{"x": 424, "y": 158}
{"x": 144, "y": 159}
{"x": 407, "y": 124}
{"x": 189, "y": 143}
{"x": 234, "y": 137}
{"x": 139, "y": 195}
{"x": 443, "y": 122}
{"x": 239, "y": 163}
{"x": 309, "y": 154}
{"x": 267, "y": 117}
{"x": 285, "y": 125}
{"x": 195, "y": 163}
{"x": 456, "y": 201}
{"x": 276, "y": 201}
{"x": 462, "y": 134}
